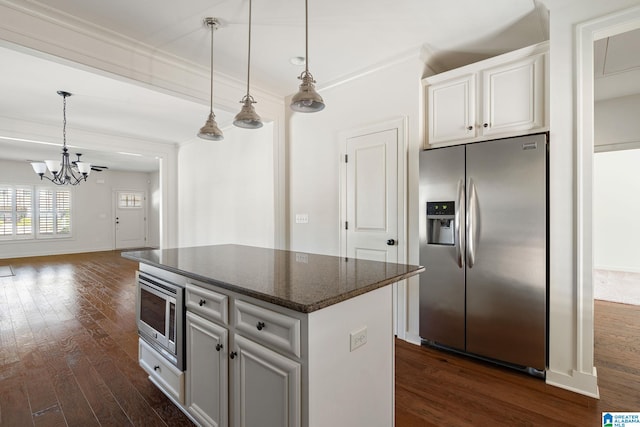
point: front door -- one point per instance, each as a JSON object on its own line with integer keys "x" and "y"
{"x": 372, "y": 196}
{"x": 130, "y": 219}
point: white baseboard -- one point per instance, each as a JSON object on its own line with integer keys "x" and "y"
{"x": 412, "y": 338}
{"x": 617, "y": 268}
{"x": 577, "y": 382}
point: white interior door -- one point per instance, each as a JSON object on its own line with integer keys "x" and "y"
{"x": 372, "y": 196}
{"x": 130, "y": 219}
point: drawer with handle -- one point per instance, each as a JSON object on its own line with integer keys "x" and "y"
{"x": 268, "y": 327}
{"x": 161, "y": 372}
{"x": 207, "y": 303}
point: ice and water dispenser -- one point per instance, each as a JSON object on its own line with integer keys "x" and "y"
{"x": 440, "y": 223}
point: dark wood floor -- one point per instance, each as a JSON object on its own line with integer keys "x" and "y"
{"x": 68, "y": 356}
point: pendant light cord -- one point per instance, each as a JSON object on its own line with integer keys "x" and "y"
{"x": 249, "y": 54}
{"x": 212, "y": 25}
{"x": 64, "y": 121}
{"x": 306, "y": 36}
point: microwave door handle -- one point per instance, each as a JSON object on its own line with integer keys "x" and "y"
{"x": 459, "y": 230}
{"x": 167, "y": 322}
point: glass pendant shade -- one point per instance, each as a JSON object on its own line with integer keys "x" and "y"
{"x": 39, "y": 167}
{"x": 210, "y": 130}
{"x": 84, "y": 168}
{"x": 307, "y": 100}
{"x": 247, "y": 118}
{"x": 53, "y": 166}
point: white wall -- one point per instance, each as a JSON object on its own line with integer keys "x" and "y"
{"x": 154, "y": 202}
{"x": 315, "y": 161}
{"x": 616, "y": 209}
{"x": 616, "y": 124}
{"x": 226, "y": 189}
{"x": 616, "y": 182}
{"x": 93, "y": 223}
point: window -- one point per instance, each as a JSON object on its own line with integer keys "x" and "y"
{"x": 16, "y": 212}
{"x": 27, "y": 213}
{"x": 54, "y": 212}
{"x": 130, "y": 200}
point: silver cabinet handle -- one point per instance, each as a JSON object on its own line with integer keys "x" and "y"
{"x": 472, "y": 223}
{"x": 459, "y": 231}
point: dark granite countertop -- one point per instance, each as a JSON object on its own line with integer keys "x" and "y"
{"x": 300, "y": 281}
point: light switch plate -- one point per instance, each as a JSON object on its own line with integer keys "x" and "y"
{"x": 302, "y": 218}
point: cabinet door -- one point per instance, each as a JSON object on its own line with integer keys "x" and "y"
{"x": 451, "y": 110}
{"x": 513, "y": 97}
{"x": 266, "y": 387}
{"x": 207, "y": 371}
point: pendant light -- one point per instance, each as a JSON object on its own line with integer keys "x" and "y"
{"x": 210, "y": 129}
{"x": 247, "y": 117}
{"x": 307, "y": 100}
{"x": 64, "y": 171}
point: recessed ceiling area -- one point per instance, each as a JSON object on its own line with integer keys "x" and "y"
{"x": 617, "y": 65}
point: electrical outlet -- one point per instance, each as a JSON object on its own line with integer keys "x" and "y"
{"x": 358, "y": 338}
{"x": 302, "y": 218}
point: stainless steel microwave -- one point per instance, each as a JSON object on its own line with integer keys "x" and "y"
{"x": 160, "y": 316}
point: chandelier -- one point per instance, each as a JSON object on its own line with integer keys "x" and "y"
{"x": 64, "y": 171}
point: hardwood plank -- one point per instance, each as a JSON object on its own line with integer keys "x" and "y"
{"x": 14, "y": 403}
{"x": 102, "y": 402}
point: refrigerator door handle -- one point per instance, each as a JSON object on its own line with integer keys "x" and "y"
{"x": 459, "y": 236}
{"x": 472, "y": 216}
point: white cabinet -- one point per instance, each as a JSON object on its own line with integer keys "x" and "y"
{"x": 207, "y": 371}
{"x": 266, "y": 386}
{"x": 236, "y": 380}
{"x": 499, "y": 97}
{"x": 452, "y": 112}
{"x": 513, "y": 97}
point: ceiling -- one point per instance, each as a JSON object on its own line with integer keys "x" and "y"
{"x": 617, "y": 66}
{"x": 346, "y": 38}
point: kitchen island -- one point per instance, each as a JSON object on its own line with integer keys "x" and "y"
{"x": 279, "y": 338}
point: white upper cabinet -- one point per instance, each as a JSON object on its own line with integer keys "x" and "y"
{"x": 513, "y": 96}
{"x": 452, "y": 109}
{"x": 496, "y": 98}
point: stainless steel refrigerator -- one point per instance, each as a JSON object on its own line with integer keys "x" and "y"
{"x": 483, "y": 241}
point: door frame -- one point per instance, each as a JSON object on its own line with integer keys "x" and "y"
{"x": 583, "y": 378}
{"x": 401, "y": 125}
{"x": 114, "y": 209}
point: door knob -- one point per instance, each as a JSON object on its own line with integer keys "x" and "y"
{"x": 391, "y": 242}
